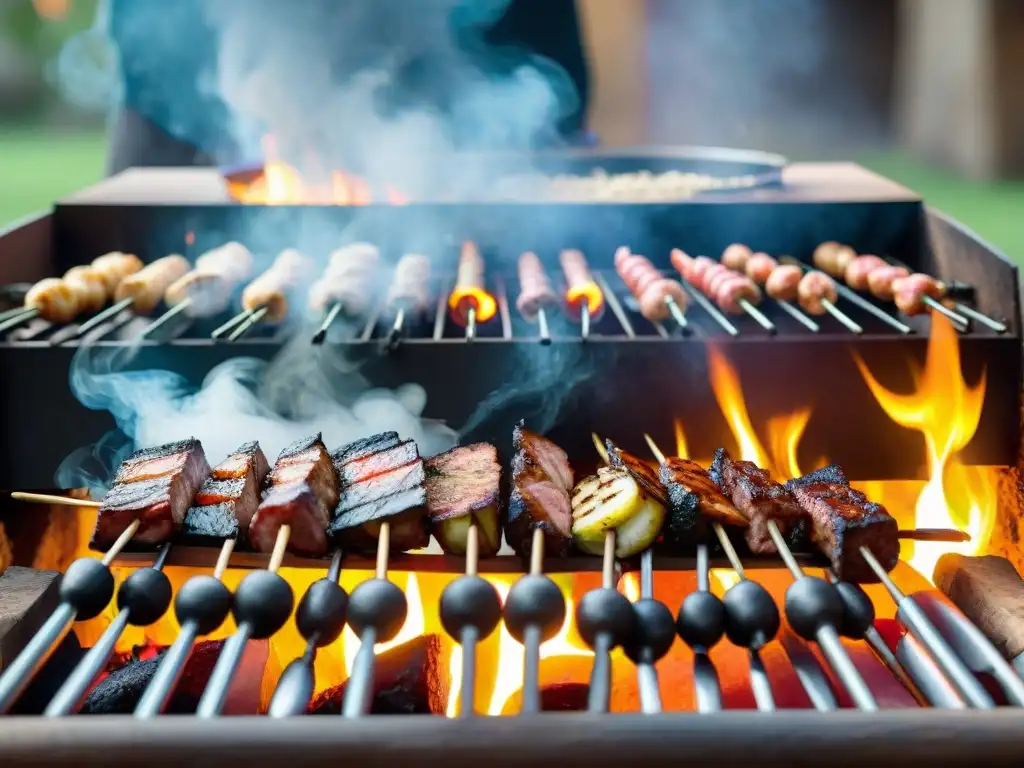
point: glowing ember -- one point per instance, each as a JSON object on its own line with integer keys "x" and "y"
{"x": 946, "y": 411}
{"x": 464, "y": 298}
{"x": 588, "y": 293}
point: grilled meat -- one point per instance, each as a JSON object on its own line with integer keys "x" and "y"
{"x": 613, "y": 500}
{"x": 228, "y": 499}
{"x": 463, "y": 486}
{"x": 303, "y": 489}
{"x": 645, "y": 477}
{"x": 541, "y": 484}
{"x": 155, "y": 486}
{"x": 759, "y": 498}
{"x": 693, "y": 497}
{"x": 382, "y": 480}
{"x": 843, "y": 521}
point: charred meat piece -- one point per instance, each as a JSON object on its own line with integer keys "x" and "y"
{"x": 843, "y": 521}
{"x": 759, "y": 498}
{"x": 382, "y": 480}
{"x": 540, "y": 497}
{"x": 228, "y": 499}
{"x": 155, "y": 486}
{"x": 693, "y": 497}
{"x": 463, "y": 487}
{"x": 645, "y": 477}
{"x": 303, "y": 489}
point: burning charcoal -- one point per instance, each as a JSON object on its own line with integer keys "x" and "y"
{"x": 410, "y": 679}
{"x": 758, "y": 497}
{"x": 462, "y": 487}
{"x": 155, "y": 486}
{"x": 540, "y": 497}
{"x": 613, "y": 500}
{"x": 564, "y": 697}
{"x": 843, "y": 521}
{"x": 382, "y": 479}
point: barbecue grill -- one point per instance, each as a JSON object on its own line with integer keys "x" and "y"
{"x": 923, "y": 679}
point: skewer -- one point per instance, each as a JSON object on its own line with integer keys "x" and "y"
{"x": 585, "y": 322}
{"x": 320, "y": 619}
{"x": 142, "y": 598}
{"x": 701, "y": 625}
{"x": 97, "y": 320}
{"x": 758, "y": 316}
{"x": 166, "y": 317}
{"x": 325, "y": 326}
{"x": 22, "y": 317}
{"x": 12, "y": 312}
{"x": 799, "y": 316}
{"x": 376, "y": 612}
{"x": 653, "y": 638}
{"x": 202, "y": 605}
{"x": 814, "y": 610}
{"x": 842, "y": 317}
{"x": 748, "y": 617}
{"x": 542, "y": 326}
{"x": 470, "y": 612}
{"x": 978, "y": 317}
{"x": 46, "y": 498}
{"x": 85, "y": 591}
{"x": 534, "y": 612}
{"x": 233, "y": 322}
{"x": 249, "y": 322}
{"x": 396, "y": 328}
{"x": 677, "y": 314}
{"x": 261, "y": 606}
{"x": 935, "y": 534}
{"x": 942, "y": 309}
{"x": 711, "y": 309}
{"x": 923, "y": 630}
{"x": 471, "y": 325}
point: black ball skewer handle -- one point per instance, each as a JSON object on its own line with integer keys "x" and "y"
{"x": 701, "y": 624}
{"x": 655, "y": 632}
{"x": 142, "y": 599}
{"x": 320, "y": 618}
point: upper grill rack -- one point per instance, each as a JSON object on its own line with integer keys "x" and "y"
{"x": 857, "y": 315}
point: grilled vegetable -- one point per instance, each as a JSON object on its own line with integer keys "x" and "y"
{"x": 613, "y": 500}
{"x": 451, "y": 533}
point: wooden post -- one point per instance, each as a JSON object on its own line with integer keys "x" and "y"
{"x": 27, "y": 598}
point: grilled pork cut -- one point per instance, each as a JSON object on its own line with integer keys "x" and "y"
{"x": 843, "y": 521}
{"x": 540, "y": 496}
{"x": 693, "y": 498}
{"x": 759, "y": 498}
{"x": 226, "y": 502}
{"x": 463, "y": 487}
{"x": 382, "y": 480}
{"x": 302, "y": 490}
{"x": 155, "y": 486}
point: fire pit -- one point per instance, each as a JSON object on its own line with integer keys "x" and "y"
{"x": 922, "y": 415}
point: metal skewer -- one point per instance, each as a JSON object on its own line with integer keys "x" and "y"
{"x": 978, "y": 317}
{"x": 22, "y": 317}
{"x": 376, "y": 612}
{"x": 7, "y": 313}
{"x": 954, "y": 317}
{"x": 542, "y": 326}
{"x": 677, "y": 314}
{"x": 799, "y": 316}
{"x": 842, "y": 317}
{"x": 815, "y": 611}
{"x": 920, "y": 626}
{"x": 470, "y": 612}
{"x": 396, "y": 328}
{"x": 166, "y": 317}
{"x": 585, "y": 322}
{"x": 325, "y": 326}
{"x": 711, "y": 309}
{"x": 233, "y": 322}
{"x": 758, "y": 316}
{"x": 143, "y": 598}
{"x": 262, "y": 604}
{"x": 202, "y": 605}
{"x": 85, "y": 590}
{"x": 320, "y": 618}
{"x": 654, "y": 635}
{"x": 249, "y": 322}
{"x": 97, "y": 320}
{"x": 471, "y": 325}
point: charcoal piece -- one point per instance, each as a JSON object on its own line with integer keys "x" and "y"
{"x": 410, "y": 679}
{"x": 564, "y": 697}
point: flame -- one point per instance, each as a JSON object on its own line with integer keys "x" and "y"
{"x": 630, "y": 586}
{"x": 722, "y": 580}
{"x": 280, "y": 183}
{"x": 784, "y": 432}
{"x": 464, "y": 298}
{"x": 589, "y": 293}
{"x": 946, "y": 410}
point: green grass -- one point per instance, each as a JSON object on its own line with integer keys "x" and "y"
{"x": 37, "y": 167}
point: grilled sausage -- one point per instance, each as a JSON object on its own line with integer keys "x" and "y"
{"x": 470, "y": 287}
{"x": 732, "y": 291}
{"x": 759, "y": 267}
{"x": 56, "y": 301}
{"x": 271, "y": 288}
{"x": 910, "y": 292}
{"x": 654, "y": 299}
{"x": 736, "y": 257}
{"x": 833, "y": 258}
{"x": 784, "y": 282}
{"x": 232, "y": 261}
{"x": 880, "y": 281}
{"x": 89, "y": 288}
{"x": 147, "y": 286}
{"x": 350, "y": 280}
{"x": 814, "y": 288}
{"x": 580, "y": 285}
{"x": 535, "y": 291}
{"x": 410, "y": 287}
{"x": 857, "y": 272}
{"x": 115, "y": 267}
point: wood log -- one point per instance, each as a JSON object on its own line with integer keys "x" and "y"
{"x": 409, "y": 679}
{"x": 990, "y": 592}
{"x": 27, "y": 598}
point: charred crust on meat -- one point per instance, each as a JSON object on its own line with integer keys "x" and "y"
{"x": 833, "y": 473}
{"x": 364, "y": 447}
{"x": 479, "y": 491}
{"x": 304, "y": 444}
{"x": 210, "y": 524}
{"x": 645, "y": 477}
{"x": 525, "y": 512}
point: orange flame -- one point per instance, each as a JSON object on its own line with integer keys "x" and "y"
{"x": 464, "y": 298}
{"x": 946, "y": 411}
{"x": 589, "y": 293}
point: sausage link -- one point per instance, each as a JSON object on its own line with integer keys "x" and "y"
{"x": 736, "y": 257}
{"x": 857, "y": 271}
{"x": 146, "y": 287}
{"x": 683, "y": 263}
{"x": 910, "y": 292}
{"x": 759, "y": 267}
{"x": 89, "y": 288}
{"x": 270, "y": 289}
{"x": 654, "y": 299}
{"x": 730, "y": 293}
{"x": 535, "y": 291}
{"x": 55, "y": 300}
{"x": 410, "y": 285}
{"x": 470, "y": 288}
{"x": 115, "y": 267}
{"x": 833, "y": 258}
{"x": 784, "y": 281}
{"x": 880, "y": 281}
{"x": 232, "y": 261}
{"x": 813, "y": 289}
{"x": 580, "y": 285}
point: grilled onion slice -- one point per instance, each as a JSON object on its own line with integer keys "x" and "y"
{"x": 451, "y": 533}
{"x": 612, "y": 500}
